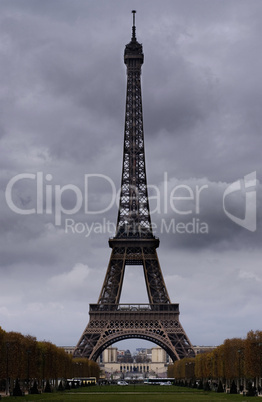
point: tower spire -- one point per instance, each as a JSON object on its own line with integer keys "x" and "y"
{"x": 134, "y": 26}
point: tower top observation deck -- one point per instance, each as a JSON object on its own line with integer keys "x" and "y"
{"x": 133, "y": 49}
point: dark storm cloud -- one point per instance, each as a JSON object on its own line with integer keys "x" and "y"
{"x": 200, "y": 219}
{"x": 62, "y": 101}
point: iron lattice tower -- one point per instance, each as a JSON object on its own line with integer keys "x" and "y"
{"x": 134, "y": 244}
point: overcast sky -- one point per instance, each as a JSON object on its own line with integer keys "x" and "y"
{"x": 62, "y": 106}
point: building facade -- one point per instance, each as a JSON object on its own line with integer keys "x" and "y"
{"x": 119, "y": 364}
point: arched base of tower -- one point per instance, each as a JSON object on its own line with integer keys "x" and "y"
{"x": 157, "y": 323}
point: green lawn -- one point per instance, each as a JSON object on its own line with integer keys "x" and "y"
{"x": 134, "y": 393}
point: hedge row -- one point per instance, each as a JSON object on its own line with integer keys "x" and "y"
{"x": 25, "y": 358}
{"x": 236, "y": 358}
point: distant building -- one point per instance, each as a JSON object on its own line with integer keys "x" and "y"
{"x": 203, "y": 349}
{"x": 68, "y": 349}
{"x": 110, "y": 355}
{"x": 159, "y": 355}
{"x": 144, "y": 363}
{"x": 120, "y": 353}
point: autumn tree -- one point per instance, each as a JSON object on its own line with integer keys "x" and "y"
{"x": 253, "y": 354}
{"x": 232, "y": 357}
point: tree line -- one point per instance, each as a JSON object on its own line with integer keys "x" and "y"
{"x": 25, "y": 358}
{"x": 237, "y": 361}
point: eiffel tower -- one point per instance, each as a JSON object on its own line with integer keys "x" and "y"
{"x": 134, "y": 244}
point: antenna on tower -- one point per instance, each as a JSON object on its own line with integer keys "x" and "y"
{"x": 134, "y": 25}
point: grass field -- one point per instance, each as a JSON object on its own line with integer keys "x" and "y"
{"x": 135, "y": 393}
